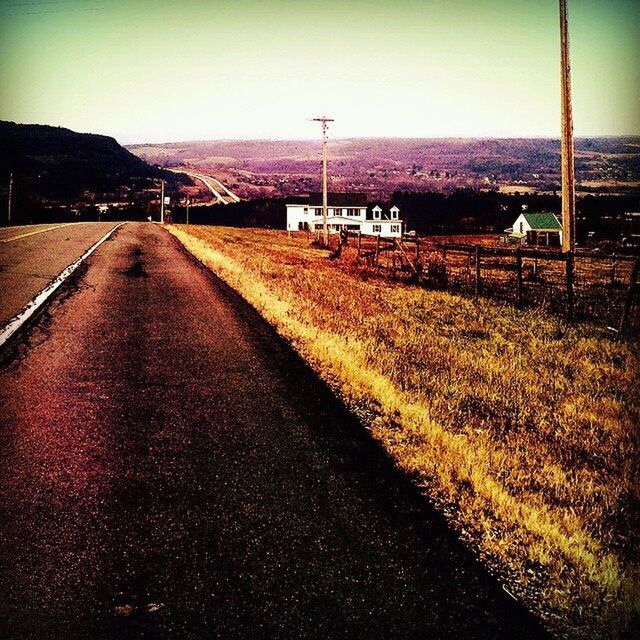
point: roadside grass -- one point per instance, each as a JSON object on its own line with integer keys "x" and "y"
{"x": 523, "y": 430}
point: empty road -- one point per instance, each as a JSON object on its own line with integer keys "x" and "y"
{"x": 32, "y": 255}
{"x": 169, "y": 468}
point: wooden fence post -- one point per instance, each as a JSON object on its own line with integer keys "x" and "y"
{"x": 377, "y": 253}
{"x": 478, "y": 283}
{"x": 444, "y": 267}
{"x": 359, "y": 242}
{"x": 393, "y": 258}
{"x": 569, "y": 273}
{"x": 518, "y": 277}
{"x": 626, "y": 312}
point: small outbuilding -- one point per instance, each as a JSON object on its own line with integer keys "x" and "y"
{"x": 537, "y": 229}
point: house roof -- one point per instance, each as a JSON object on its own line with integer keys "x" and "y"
{"x": 542, "y": 221}
{"x": 339, "y": 199}
{"x": 385, "y": 210}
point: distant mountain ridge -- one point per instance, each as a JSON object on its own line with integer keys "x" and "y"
{"x": 60, "y": 165}
{"x": 381, "y": 166}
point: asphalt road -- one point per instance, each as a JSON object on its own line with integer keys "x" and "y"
{"x": 169, "y": 468}
{"x": 13, "y": 232}
{"x": 31, "y": 256}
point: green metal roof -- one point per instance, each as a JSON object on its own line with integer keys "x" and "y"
{"x": 543, "y": 221}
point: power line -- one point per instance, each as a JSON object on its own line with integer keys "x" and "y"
{"x": 44, "y": 8}
{"x": 40, "y": 4}
{"x": 47, "y": 13}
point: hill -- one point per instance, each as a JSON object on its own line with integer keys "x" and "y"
{"x": 54, "y": 164}
{"x": 380, "y": 166}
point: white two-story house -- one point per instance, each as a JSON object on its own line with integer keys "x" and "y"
{"x": 345, "y": 211}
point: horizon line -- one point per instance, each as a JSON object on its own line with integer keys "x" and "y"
{"x": 380, "y": 137}
{"x": 580, "y": 136}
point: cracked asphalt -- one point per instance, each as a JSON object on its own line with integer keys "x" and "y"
{"x": 169, "y": 468}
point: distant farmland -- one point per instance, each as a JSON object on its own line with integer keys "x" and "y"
{"x": 380, "y": 166}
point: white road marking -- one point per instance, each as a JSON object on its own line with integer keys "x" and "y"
{"x": 16, "y": 323}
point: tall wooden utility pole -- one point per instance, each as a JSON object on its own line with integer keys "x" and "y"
{"x": 566, "y": 143}
{"x": 324, "y": 120}
{"x": 10, "y": 200}
{"x": 162, "y": 201}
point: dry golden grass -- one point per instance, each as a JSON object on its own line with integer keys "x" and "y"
{"x": 524, "y": 431}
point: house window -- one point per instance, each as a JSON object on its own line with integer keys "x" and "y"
{"x": 394, "y": 213}
{"x": 376, "y": 214}
{"x": 352, "y": 212}
{"x": 377, "y": 228}
{"x": 306, "y": 210}
{"x": 318, "y": 211}
{"x": 337, "y": 212}
{"x": 395, "y": 228}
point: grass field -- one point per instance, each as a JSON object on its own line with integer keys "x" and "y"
{"x": 600, "y": 281}
{"x": 524, "y": 431}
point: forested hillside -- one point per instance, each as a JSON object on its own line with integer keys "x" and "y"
{"x": 59, "y": 165}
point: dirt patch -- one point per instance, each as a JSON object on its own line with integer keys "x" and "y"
{"x": 136, "y": 270}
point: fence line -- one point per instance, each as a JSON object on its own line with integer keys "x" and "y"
{"x": 600, "y": 287}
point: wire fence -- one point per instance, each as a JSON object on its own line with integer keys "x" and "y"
{"x": 580, "y": 285}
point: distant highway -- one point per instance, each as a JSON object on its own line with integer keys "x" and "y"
{"x": 222, "y": 193}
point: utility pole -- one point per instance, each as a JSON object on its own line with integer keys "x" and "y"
{"x": 162, "y": 201}
{"x": 566, "y": 146}
{"x": 324, "y": 120}
{"x": 188, "y": 203}
{"x": 10, "y": 201}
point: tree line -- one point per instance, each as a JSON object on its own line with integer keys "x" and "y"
{"x": 463, "y": 211}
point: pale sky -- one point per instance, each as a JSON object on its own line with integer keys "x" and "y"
{"x": 173, "y": 70}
